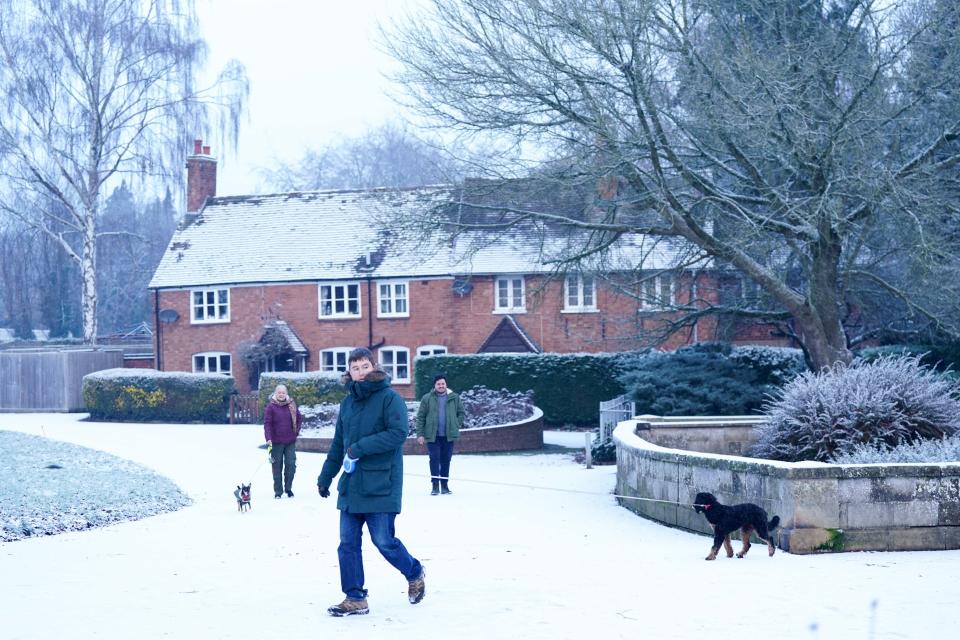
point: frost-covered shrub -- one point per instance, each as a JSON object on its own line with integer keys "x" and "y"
{"x": 147, "y": 395}
{"x": 308, "y": 388}
{"x": 603, "y": 452}
{"x": 891, "y": 400}
{"x": 709, "y": 379}
{"x": 945, "y": 357}
{"x": 943, "y": 450}
{"x": 484, "y": 407}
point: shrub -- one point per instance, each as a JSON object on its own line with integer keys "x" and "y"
{"x": 943, "y": 450}
{"x": 306, "y": 389}
{"x": 568, "y": 387}
{"x": 484, "y": 407}
{"x": 709, "y": 379}
{"x": 891, "y": 400}
{"x": 603, "y": 452}
{"x": 941, "y": 357}
{"x": 146, "y": 395}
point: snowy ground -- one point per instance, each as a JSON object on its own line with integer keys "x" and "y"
{"x": 502, "y": 560}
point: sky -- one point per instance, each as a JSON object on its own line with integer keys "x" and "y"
{"x": 528, "y": 546}
{"x": 315, "y": 72}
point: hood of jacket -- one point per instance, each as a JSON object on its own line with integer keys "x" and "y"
{"x": 373, "y": 382}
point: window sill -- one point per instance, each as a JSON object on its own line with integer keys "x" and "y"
{"x": 584, "y": 310}
{"x": 203, "y": 322}
{"x": 503, "y": 312}
{"x": 325, "y": 318}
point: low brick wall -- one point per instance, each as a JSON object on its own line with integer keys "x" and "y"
{"x": 515, "y": 436}
{"x": 822, "y": 507}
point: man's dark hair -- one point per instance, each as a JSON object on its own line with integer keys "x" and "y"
{"x": 439, "y": 376}
{"x": 361, "y": 353}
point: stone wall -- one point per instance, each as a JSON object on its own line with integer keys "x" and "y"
{"x": 515, "y": 436}
{"x": 822, "y": 507}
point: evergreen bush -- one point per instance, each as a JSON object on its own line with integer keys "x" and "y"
{"x": 892, "y": 400}
{"x": 568, "y": 387}
{"x": 147, "y": 395}
{"x": 306, "y": 389}
{"x": 921, "y": 451}
{"x": 709, "y": 379}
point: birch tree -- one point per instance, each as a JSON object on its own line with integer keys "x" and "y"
{"x": 806, "y": 144}
{"x": 92, "y": 90}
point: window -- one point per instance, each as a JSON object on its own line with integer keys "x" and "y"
{"x": 509, "y": 294}
{"x": 431, "y": 350}
{"x": 658, "y": 292}
{"x": 211, "y": 362}
{"x": 396, "y": 362}
{"x": 340, "y": 300}
{"x": 392, "y": 297}
{"x": 334, "y": 359}
{"x": 209, "y": 305}
{"x": 579, "y": 293}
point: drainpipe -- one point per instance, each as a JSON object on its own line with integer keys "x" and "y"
{"x": 370, "y": 313}
{"x": 156, "y": 325}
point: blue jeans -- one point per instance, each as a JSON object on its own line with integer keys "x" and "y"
{"x": 441, "y": 451}
{"x": 380, "y": 526}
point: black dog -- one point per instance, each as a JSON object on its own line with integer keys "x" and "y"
{"x": 725, "y": 520}
{"x": 242, "y": 495}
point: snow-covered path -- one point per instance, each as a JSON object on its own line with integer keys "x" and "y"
{"x": 502, "y": 561}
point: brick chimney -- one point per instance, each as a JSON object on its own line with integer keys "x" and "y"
{"x": 201, "y": 177}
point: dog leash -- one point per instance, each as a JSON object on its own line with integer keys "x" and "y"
{"x": 532, "y": 486}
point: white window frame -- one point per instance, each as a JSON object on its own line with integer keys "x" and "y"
{"x": 344, "y": 298}
{"x": 334, "y": 352}
{"x": 392, "y": 367}
{"x": 510, "y": 282}
{"x": 216, "y": 355}
{"x": 431, "y": 350}
{"x": 392, "y": 299}
{"x": 578, "y": 287}
{"x": 657, "y": 283}
{"x": 209, "y": 309}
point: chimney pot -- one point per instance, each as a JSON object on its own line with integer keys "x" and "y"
{"x": 206, "y": 151}
{"x": 197, "y": 146}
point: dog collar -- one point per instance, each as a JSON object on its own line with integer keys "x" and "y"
{"x": 705, "y": 506}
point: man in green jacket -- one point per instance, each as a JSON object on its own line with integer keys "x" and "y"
{"x": 438, "y": 424}
{"x": 368, "y": 445}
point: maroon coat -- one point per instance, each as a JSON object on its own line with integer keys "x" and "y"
{"x": 278, "y": 425}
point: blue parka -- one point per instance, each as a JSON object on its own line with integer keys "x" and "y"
{"x": 373, "y": 425}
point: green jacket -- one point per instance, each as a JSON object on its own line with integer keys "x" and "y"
{"x": 428, "y": 418}
{"x": 373, "y": 425}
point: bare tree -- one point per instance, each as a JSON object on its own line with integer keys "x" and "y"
{"x": 790, "y": 141}
{"x": 389, "y": 156}
{"x": 91, "y": 90}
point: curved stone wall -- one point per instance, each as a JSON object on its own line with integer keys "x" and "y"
{"x": 822, "y": 507}
{"x": 514, "y": 436}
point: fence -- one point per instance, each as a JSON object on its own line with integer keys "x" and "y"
{"x": 612, "y": 412}
{"x": 245, "y": 409}
{"x": 50, "y": 380}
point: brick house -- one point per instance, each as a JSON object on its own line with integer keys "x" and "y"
{"x": 315, "y": 274}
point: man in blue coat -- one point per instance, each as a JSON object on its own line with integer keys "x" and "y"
{"x": 368, "y": 446}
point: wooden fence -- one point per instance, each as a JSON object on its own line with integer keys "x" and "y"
{"x": 245, "y": 409}
{"x": 50, "y": 380}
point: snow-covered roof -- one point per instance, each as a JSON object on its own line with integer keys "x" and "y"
{"x": 340, "y": 235}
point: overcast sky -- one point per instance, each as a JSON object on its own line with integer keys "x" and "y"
{"x": 315, "y": 74}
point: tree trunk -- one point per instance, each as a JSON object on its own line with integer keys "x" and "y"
{"x": 818, "y": 322}
{"x": 88, "y": 272}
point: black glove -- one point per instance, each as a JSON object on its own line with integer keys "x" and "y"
{"x": 324, "y": 491}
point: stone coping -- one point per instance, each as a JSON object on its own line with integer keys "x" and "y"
{"x": 823, "y": 507}
{"x": 522, "y": 435}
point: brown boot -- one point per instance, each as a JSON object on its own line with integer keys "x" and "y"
{"x": 416, "y": 588}
{"x": 349, "y": 607}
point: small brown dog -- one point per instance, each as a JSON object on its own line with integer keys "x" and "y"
{"x": 725, "y": 520}
{"x": 242, "y": 494}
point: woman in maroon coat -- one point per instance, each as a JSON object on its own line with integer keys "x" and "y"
{"x": 281, "y": 426}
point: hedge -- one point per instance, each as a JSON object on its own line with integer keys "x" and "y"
{"x": 568, "y": 387}
{"x": 702, "y": 379}
{"x": 306, "y": 389}
{"x": 147, "y": 395}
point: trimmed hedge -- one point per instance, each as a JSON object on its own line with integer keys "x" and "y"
{"x": 147, "y": 395}
{"x": 568, "y": 387}
{"x": 306, "y": 389}
{"x": 707, "y": 378}
{"x": 944, "y": 357}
